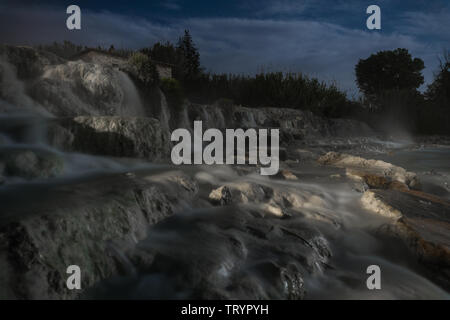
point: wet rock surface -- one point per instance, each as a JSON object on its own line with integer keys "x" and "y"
{"x": 376, "y": 173}
{"x": 419, "y": 219}
{"x": 229, "y": 253}
{"x": 422, "y": 221}
{"x": 112, "y": 136}
{"x": 86, "y": 223}
{"x": 30, "y": 165}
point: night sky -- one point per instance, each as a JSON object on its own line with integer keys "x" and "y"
{"x": 322, "y": 38}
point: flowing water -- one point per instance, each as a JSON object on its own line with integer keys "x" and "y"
{"x": 323, "y": 244}
{"x": 212, "y": 250}
{"x": 132, "y": 105}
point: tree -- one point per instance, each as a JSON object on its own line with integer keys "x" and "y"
{"x": 190, "y": 63}
{"x": 163, "y": 52}
{"x": 435, "y": 118}
{"x": 389, "y": 71}
{"x": 439, "y": 91}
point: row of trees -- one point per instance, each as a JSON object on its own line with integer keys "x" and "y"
{"x": 69, "y": 50}
{"x": 275, "y": 89}
{"x": 388, "y": 80}
{"x": 265, "y": 89}
{"x": 183, "y": 57}
{"x": 290, "y": 90}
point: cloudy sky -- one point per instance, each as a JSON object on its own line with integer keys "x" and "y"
{"x": 322, "y": 38}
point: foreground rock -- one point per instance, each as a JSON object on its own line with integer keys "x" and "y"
{"x": 112, "y": 136}
{"x": 376, "y": 173}
{"x": 84, "y": 223}
{"x": 264, "y": 198}
{"x": 422, "y": 221}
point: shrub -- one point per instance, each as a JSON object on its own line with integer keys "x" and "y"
{"x": 144, "y": 68}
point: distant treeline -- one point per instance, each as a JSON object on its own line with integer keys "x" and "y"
{"x": 275, "y": 89}
{"x": 388, "y": 81}
{"x": 68, "y": 50}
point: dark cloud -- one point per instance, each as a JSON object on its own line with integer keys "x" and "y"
{"x": 281, "y": 7}
{"x": 171, "y": 5}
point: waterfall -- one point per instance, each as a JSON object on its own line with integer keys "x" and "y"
{"x": 164, "y": 115}
{"x": 132, "y": 104}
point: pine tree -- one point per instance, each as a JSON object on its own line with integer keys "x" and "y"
{"x": 190, "y": 64}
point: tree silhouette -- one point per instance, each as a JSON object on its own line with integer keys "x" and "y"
{"x": 190, "y": 64}
{"x": 439, "y": 91}
{"x": 389, "y": 71}
{"x": 163, "y": 52}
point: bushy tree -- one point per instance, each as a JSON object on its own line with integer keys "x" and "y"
{"x": 144, "y": 68}
{"x": 392, "y": 70}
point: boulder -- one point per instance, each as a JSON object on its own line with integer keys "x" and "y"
{"x": 243, "y": 192}
{"x": 286, "y": 175}
{"x": 374, "y": 180}
{"x": 221, "y": 196}
{"x": 376, "y": 173}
